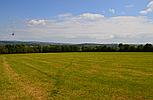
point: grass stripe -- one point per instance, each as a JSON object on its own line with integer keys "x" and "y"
{"x": 34, "y": 91}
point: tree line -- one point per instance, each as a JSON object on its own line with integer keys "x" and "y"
{"x": 23, "y": 48}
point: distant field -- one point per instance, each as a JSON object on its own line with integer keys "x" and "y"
{"x": 76, "y": 76}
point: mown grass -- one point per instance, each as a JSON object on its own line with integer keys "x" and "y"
{"x": 79, "y": 76}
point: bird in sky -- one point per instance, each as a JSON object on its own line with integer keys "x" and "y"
{"x": 12, "y": 34}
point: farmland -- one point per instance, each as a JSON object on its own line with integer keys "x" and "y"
{"x": 77, "y": 76}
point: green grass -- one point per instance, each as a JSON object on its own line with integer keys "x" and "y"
{"x": 77, "y": 76}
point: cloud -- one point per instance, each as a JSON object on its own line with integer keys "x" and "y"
{"x": 65, "y": 15}
{"x": 111, "y": 10}
{"x": 91, "y": 16}
{"x": 149, "y": 8}
{"x": 37, "y": 22}
{"x": 89, "y": 27}
{"x": 129, "y": 6}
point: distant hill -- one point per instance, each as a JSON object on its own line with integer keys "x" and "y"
{"x": 30, "y": 43}
{"x": 94, "y": 45}
{"x": 52, "y": 43}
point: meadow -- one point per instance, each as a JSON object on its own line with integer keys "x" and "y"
{"x": 77, "y": 76}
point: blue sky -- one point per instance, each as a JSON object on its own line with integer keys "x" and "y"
{"x": 48, "y": 8}
{"x": 41, "y": 20}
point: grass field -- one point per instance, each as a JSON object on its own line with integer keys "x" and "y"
{"x": 76, "y": 76}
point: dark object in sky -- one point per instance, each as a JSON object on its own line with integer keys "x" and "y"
{"x": 12, "y": 34}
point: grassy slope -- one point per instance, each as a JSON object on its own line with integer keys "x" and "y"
{"x": 79, "y": 76}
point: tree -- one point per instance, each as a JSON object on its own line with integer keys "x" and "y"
{"x": 148, "y": 48}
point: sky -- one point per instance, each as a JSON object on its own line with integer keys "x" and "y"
{"x": 77, "y": 21}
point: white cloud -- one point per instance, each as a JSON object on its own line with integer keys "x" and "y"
{"x": 90, "y": 27}
{"x": 148, "y": 9}
{"x": 129, "y": 6}
{"x": 91, "y": 16}
{"x": 37, "y": 22}
{"x": 111, "y": 10}
{"x": 65, "y": 15}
